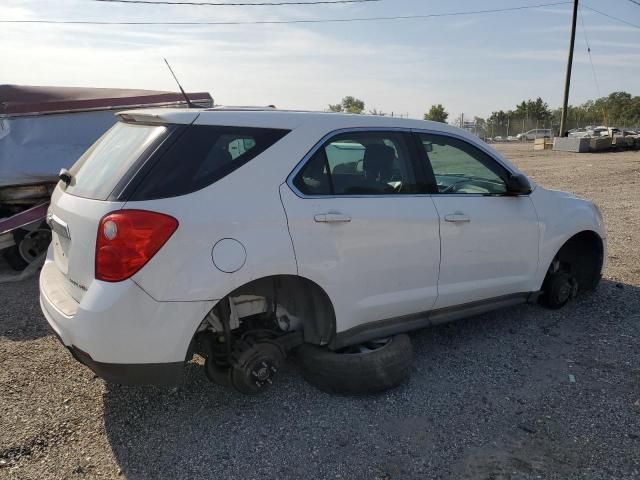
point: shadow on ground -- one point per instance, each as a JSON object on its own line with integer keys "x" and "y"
{"x": 518, "y": 393}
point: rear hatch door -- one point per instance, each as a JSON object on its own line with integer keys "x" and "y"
{"x": 74, "y": 223}
{"x": 77, "y": 208}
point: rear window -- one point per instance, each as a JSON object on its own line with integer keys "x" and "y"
{"x": 100, "y": 168}
{"x": 200, "y": 156}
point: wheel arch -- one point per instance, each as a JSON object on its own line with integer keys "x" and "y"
{"x": 584, "y": 251}
{"x": 301, "y": 297}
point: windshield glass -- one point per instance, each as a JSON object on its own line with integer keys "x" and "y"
{"x": 99, "y": 169}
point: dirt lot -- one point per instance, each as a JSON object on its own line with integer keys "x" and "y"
{"x": 489, "y": 398}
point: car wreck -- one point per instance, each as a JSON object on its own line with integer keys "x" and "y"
{"x": 44, "y": 130}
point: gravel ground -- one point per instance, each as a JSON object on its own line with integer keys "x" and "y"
{"x": 491, "y": 397}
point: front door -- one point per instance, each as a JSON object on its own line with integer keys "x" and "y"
{"x": 362, "y": 228}
{"x": 489, "y": 238}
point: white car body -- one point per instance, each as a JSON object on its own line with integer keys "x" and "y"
{"x": 535, "y": 133}
{"x": 386, "y": 263}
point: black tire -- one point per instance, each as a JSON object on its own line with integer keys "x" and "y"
{"x": 558, "y": 289}
{"x": 217, "y": 374}
{"x": 357, "y": 373}
{"x": 14, "y": 259}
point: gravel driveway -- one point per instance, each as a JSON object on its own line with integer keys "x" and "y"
{"x": 520, "y": 393}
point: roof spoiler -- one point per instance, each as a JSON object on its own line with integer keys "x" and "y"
{"x": 146, "y": 119}
{"x": 158, "y": 117}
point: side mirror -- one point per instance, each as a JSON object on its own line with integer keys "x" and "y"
{"x": 518, "y": 184}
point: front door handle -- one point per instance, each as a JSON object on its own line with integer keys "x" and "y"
{"x": 332, "y": 217}
{"x": 457, "y": 217}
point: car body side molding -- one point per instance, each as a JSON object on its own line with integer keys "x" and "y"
{"x": 407, "y": 323}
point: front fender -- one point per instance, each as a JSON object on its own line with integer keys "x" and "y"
{"x": 562, "y": 215}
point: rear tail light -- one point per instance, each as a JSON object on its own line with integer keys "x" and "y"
{"x": 127, "y": 240}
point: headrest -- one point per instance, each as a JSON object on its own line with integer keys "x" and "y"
{"x": 378, "y": 159}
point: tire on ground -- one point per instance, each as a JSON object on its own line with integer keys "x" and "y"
{"x": 558, "y": 289}
{"x": 14, "y": 259}
{"x": 357, "y": 374}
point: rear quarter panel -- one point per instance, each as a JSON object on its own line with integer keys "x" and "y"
{"x": 245, "y": 206}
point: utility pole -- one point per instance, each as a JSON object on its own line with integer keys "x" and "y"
{"x": 567, "y": 81}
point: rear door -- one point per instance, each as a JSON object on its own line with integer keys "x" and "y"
{"x": 489, "y": 238}
{"x": 362, "y": 227}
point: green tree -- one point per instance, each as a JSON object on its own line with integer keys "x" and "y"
{"x": 619, "y": 109}
{"x": 348, "y": 104}
{"x": 437, "y": 113}
{"x": 532, "y": 114}
{"x": 481, "y": 128}
{"x": 498, "y": 123}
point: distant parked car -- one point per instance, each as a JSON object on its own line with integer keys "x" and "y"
{"x": 535, "y": 133}
{"x": 578, "y": 132}
{"x": 598, "y": 132}
{"x": 621, "y": 132}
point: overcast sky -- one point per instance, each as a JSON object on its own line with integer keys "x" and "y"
{"x": 472, "y": 64}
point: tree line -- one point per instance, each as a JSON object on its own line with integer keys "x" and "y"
{"x": 620, "y": 109}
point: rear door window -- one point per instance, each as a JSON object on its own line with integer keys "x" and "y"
{"x": 101, "y": 167}
{"x": 200, "y": 156}
{"x": 360, "y": 163}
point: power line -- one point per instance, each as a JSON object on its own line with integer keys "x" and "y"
{"x": 282, "y": 22}
{"x": 611, "y": 16}
{"x": 586, "y": 40}
{"x": 235, "y": 4}
{"x": 635, "y": 1}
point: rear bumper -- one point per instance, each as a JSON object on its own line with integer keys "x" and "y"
{"x": 119, "y": 331}
{"x": 132, "y": 374}
{"x": 126, "y": 373}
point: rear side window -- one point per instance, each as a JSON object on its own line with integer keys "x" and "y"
{"x": 101, "y": 167}
{"x": 200, "y": 156}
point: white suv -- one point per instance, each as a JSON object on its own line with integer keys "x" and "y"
{"x": 243, "y": 235}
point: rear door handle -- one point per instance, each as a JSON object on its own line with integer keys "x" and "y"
{"x": 332, "y": 217}
{"x": 457, "y": 217}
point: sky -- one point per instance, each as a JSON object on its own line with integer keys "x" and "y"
{"x": 472, "y": 64}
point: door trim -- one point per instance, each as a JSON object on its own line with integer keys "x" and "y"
{"x": 393, "y": 326}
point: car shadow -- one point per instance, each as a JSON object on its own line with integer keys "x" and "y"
{"x": 202, "y": 430}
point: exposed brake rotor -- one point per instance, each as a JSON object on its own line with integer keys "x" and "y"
{"x": 254, "y": 366}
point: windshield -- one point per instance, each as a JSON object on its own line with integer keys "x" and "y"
{"x": 98, "y": 170}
